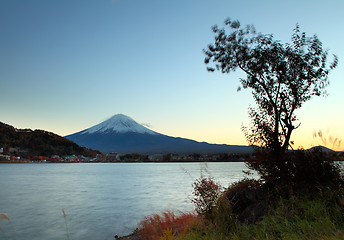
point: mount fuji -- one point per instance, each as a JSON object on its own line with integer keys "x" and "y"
{"x": 122, "y": 134}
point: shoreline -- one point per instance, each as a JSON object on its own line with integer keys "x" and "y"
{"x": 34, "y": 162}
{"x": 133, "y": 236}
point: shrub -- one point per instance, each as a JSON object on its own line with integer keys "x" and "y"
{"x": 301, "y": 170}
{"x": 206, "y": 192}
{"x": 243, "y": 185}
{"x": 223, "y": 217}
{"x": 244, "y": 201}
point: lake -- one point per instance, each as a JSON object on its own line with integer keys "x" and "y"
{"x": 101, "y": 199}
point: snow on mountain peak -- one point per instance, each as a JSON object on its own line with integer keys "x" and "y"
{"x": 119, "y": 123}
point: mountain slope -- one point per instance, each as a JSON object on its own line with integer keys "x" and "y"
{"x": 39, "y": 142}
{"x": 123, "y": 135}
{"x": 322, "y": 148}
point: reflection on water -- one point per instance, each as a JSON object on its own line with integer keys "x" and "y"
{"x": 100, "y": 200}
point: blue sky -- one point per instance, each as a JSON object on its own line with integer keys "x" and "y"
{"x": 68, "y": 65}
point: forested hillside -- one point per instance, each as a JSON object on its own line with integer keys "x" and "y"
{"x": 39, "y": 142}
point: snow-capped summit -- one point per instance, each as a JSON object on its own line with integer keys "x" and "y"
{"x": 119, "y": 123}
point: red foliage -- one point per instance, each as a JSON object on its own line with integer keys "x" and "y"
{"x": 155, "y": 226}
{"x": 206, "y": 192}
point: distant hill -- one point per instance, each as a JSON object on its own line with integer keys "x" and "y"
{"x": 122, "y": 134}
{"x": 39, "y": 142}
{"x": 322, "y": 148}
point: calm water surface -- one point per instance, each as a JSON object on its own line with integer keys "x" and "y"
{"x": 100, "y": 200}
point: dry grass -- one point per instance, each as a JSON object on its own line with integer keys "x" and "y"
{"x": 166, "y": 226}
{"x": 333, "y": 143}
{"x": 4, "y": 216}
{"x": 65, "y": 220}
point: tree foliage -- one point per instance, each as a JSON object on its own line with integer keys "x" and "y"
{"x": 39, "y": 142}
{"x": 281, "y": 76}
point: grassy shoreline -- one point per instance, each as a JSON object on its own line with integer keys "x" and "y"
{"x": 298, "y": 196}
{"x": 299, "y": 217}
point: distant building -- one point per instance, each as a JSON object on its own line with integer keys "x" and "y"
{"x": 13, "y": 150}
{"x": 155, "y": 157}
{"x": 6, "y": 157}
{"x": 112, "y": 157}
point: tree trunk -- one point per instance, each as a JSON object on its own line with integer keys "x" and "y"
{"x": 276, "y": 145}
{"x": 287, "y": 139}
